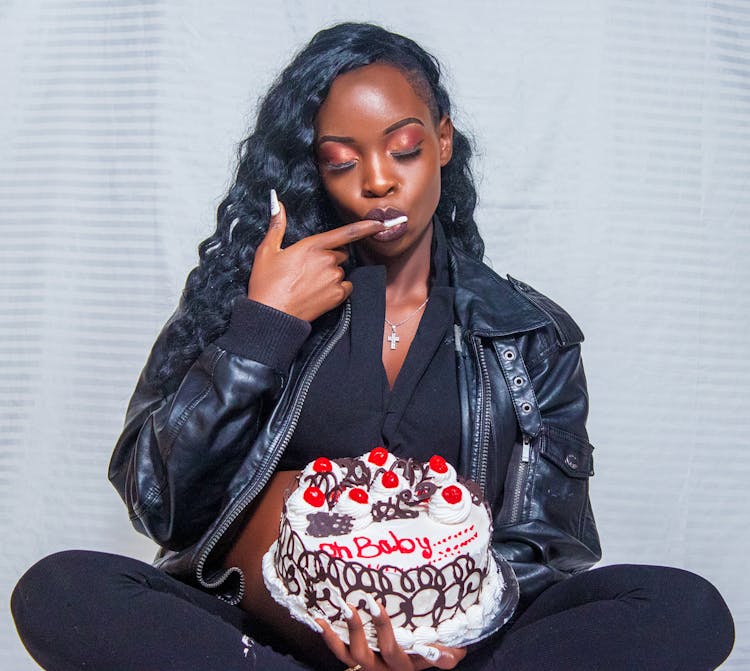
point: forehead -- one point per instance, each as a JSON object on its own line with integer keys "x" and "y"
{"x": 374, "y": 96}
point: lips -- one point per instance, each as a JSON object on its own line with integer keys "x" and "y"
{"x": 381, "y": 214}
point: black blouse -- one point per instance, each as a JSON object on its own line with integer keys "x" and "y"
{"x": 350, "y": 407}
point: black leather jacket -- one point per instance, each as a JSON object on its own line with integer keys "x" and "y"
{"x": 192, "y": 458}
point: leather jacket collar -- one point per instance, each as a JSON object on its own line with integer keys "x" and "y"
{"x": 486, "y": 304}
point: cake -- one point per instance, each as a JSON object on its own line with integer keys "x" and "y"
{"x": 411, "y": 535}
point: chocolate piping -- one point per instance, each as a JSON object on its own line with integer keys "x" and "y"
{"x": 452, "y": 587}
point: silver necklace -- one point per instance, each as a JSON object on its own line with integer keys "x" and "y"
{"x": 393, "y": 338}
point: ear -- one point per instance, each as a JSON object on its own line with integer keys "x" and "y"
{"x": 445, "y": 138}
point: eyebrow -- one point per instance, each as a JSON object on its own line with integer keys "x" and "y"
{"x": 390, "y": 129}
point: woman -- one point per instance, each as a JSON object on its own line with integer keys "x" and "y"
{"x": 317, "y": 330}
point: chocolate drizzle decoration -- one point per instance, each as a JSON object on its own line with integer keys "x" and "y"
{"x": 393, "y": 509}
{"x": 325, "y": 481}
{"x": 324, "y": 524}
{"x": 473, "y": 489}
{"x": 413, "y": 471}
{"x": 357, "y": 474}
{"x": 314, "y": 575}
{"x": 422, "y": 492}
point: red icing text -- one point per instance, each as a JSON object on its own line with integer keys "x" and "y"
{"x": 367, "y": 548}
{"x": 336, "y": 550}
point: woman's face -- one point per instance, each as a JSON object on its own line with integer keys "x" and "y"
{"x": 377, "y": 148}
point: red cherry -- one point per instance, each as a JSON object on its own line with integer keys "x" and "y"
{"x": 322, "y": 465}
{"x": 378, "y": 456}
{"x": 438, "y": 464}
{"x": 452, "y": 494}
{"x": 359, "y": 495}
{"x": 390, "y": 479}
{"x": 314, "y": 496}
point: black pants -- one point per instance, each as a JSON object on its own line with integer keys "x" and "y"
{"x": 101, "y": 612}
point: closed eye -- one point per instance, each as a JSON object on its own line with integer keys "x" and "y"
{"x": 412, "y": 153}
{"x": 340, "y": 166}
{"x": 399, "y": 156}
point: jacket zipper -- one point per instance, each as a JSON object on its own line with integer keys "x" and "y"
{"x": 268, "y": 466}
{"x": 480, "y": 474}
{"x": 520, "y": 481}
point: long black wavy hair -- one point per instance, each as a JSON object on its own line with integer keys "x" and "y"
{"x": 279, "y": 153}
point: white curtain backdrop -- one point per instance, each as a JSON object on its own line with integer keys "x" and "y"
{"x": 614, "y": 156}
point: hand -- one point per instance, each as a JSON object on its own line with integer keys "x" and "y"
{"x": 305, "y": 279}
{"x": 391, "y": 656}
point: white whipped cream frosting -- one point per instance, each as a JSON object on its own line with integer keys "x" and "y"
{"x": 379, "y": 492}
{"x": 425, "y": 635}
{"x": 404, "y": 637}
{"x": 455, "y": 626}
{"x": 297, "y": 509}
{"x": 475, "y": 613}
{"x": 450, "y": 513}
{"x": 442, "y": 478}
{"x": 361, "y": 513}
{"x": 389, "y": 461}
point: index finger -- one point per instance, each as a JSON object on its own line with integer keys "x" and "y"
{"x": 343, "y": 235}
{"x": 390, "y": 650}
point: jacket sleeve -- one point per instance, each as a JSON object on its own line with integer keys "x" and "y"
{"x": 180, "y": 447}
{"x": 546, "y": 528}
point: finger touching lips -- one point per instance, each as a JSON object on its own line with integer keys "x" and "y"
{"x": 343, "y": 235}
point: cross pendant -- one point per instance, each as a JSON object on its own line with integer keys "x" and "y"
{"x": 393, "y": 338}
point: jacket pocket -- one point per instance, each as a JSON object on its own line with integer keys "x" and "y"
{"x": 547, "y": 480}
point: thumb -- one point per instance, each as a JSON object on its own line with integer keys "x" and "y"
{"x": 277, "y": 222}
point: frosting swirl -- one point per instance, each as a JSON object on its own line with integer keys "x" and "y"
{"x": 388, "y": 484}
{"x": 355, "y": 503}
{"x": 440, "y": 471}
{"x": 453, "y": 627}
{"x": 425, "y": 635}
{"x": 404, "y": 637}
{"x": 378, "y": 458}
{"x": 298, "y": 507}
{"x": 451, "y": 505}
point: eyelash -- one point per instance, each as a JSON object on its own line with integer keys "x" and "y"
{"x": 403, "y": 156}
{"x": 406, "y": 155}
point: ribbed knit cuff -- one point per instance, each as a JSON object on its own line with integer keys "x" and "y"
{"x": 264, "y": 334}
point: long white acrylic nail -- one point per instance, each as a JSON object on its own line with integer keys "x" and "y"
{"x": 346, "y": 611}
{"x": 372, "y": 605}
{"x": 427, "y": 651}
{"x": 390, "y": 223}
{"x": 275, "y": 209}
{"x": 338, "y": 600}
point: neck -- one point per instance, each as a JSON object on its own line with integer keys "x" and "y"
{"x": 408, "y": 275}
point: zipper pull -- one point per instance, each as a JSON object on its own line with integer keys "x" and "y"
{"x": 526, "y": 448}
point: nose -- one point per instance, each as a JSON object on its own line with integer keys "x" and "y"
{"x": 377, "y": 178}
